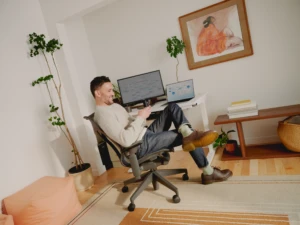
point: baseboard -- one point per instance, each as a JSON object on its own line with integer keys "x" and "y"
{"x": 98, "y": 171}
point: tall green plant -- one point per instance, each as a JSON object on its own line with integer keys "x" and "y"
{"x": 175, "y": 47}
{"x": 39, "y": 46}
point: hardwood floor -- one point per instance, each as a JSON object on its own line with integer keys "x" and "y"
{"x": 259, "y": 167}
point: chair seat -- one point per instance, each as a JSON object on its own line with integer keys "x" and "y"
{"x": 161, "y": 157}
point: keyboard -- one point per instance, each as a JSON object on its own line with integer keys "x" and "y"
{"x": 182, "y": 102}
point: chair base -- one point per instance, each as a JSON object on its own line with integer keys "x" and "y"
{"x": 154, "y": 177}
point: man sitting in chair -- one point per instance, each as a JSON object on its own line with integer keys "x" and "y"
{"x": 124, "y": 129}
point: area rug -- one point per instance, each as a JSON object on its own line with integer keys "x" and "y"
{"x": 240, "y": 200}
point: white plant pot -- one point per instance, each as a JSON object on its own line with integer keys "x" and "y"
{"x": 83, "y": 180}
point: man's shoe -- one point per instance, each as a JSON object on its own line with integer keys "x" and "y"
{"x": 199, "y": 139}
{"x": 217, "y": 176}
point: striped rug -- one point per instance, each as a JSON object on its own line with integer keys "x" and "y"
{"x": 240, "y": 200}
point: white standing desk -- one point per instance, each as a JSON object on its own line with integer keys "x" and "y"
{"x": 200, "y": 99}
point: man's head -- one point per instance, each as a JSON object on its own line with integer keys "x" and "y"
{"x": 102, "y": 90}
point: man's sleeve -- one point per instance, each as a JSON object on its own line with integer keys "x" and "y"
{"x": 124, "y": 136}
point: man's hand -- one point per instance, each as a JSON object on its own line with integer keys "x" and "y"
{"x": 145, "y": 112}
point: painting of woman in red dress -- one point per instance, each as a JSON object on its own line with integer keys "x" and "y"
{"x": 212, "y": 41}
{"x": 216, "y": 34}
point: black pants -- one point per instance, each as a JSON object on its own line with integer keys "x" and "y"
{"x": 158, "y": 136}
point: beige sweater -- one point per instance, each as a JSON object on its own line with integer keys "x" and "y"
{"x": 119, "y": 125}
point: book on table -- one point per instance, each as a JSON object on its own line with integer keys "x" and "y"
{"x": 241, "y": 102}
{"x": 242, "y": 108}
{"x": 243, "y": 114}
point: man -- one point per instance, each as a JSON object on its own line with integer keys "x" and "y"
{"x": 125, "y": 130}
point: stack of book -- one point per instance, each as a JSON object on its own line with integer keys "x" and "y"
{"x": 242, "y": 108}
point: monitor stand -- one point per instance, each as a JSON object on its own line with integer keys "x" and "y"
{"x": 146, "y": 102}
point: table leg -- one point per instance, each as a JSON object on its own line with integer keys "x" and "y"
{"x": 241, "y": 138}
{"x": 211, "y": 152}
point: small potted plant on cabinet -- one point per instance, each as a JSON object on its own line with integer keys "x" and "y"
{"x": 223, "y": 139}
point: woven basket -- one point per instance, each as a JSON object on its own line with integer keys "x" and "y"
{"x": 289, "y": 133}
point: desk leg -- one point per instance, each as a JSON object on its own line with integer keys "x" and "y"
{"x": 241, "y": 138}
{"x": 211, "y": 152}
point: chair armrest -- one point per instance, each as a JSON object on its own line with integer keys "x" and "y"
{"x": 134, "y": 164}
{"x": 131, "y": 150}
{"x": 135, "y": 144}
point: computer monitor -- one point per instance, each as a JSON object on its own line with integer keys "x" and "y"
{"x": 141, "y": 88}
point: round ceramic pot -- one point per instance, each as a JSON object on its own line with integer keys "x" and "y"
{"x": 83, "y": 178}
{"x": 231, "y": 146}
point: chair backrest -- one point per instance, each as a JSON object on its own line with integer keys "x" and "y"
{"x": 99, "y": 132}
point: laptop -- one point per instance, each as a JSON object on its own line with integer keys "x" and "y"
{"x": 182, "y": 91}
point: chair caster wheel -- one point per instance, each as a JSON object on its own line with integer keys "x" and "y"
{"x": 185, "y": 177}
{"x": 176, "y": 199}
{"x": 125, "y": 189}
{"x": 131, "y": 207}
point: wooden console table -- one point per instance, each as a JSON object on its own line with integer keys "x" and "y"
{"x": 260, "y": 151}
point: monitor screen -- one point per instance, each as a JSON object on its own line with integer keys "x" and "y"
{"x": 141, "y": 87}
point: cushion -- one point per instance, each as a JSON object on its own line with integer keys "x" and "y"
{"x": 48, "y": 201}
{"x": 3, "y": 209}
{"x": 6, "y": 220}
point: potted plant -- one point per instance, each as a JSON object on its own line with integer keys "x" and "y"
{"x": 39, "y": 46}
{"x": 175, "y": 47}
{"x": 118, "y": 98}
{"x": 223, "y": 139}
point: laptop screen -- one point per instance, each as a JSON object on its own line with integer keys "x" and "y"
{"x": 180, "y": 91}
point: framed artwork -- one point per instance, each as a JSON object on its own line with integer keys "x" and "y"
{"x": 215, "y": 34}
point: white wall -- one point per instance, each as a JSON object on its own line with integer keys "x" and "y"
{"x": 63, "y": 21}
{"x": 72, "y": 33}
{"x": 30, "y": 148}
{"x": 128, "y": 37}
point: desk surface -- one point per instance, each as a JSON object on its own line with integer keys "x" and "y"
{"x": 159, "y": 106}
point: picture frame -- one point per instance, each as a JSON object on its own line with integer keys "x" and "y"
{"x": 216, "y": 34}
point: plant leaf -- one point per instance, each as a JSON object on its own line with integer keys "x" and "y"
{"x": 230, "y": 131}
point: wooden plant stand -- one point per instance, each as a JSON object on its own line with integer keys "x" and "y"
{"x": 260, "y": 151}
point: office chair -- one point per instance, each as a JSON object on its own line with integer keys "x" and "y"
{"x": 147, "y": 163}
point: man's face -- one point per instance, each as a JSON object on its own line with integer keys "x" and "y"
{"x": 105, "y": 93}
